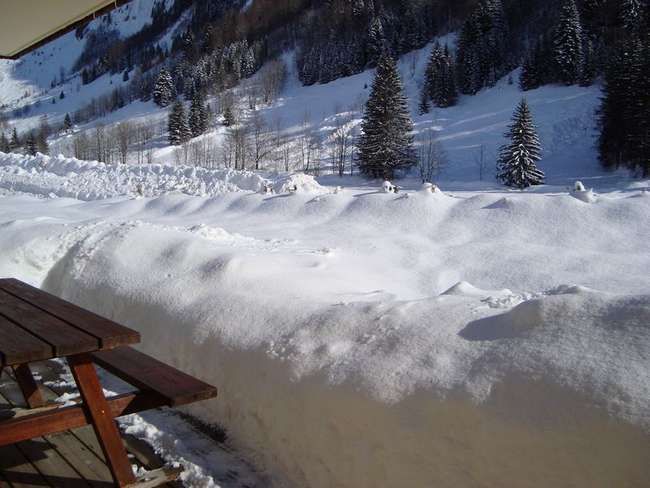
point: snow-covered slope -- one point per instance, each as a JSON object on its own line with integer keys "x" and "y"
{"x": 367, "y": 339}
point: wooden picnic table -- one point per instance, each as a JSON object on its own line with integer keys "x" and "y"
{"x": 36, "y": 326}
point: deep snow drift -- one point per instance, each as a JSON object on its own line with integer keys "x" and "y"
{"x": 369, "y": 339}
{"x": 69, "y": 177}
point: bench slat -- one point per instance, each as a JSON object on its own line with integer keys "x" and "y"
{"x": 64, "y": 339}
{"x": 109, "y": 333}
{"x": 147, "y": 373}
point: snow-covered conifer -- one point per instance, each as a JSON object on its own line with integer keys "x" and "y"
{"x": 4, "y": 143}
{"x": 14, "y": 143}
{"x": 517, "y": 164}
{"x": 198, "y": 119}
{"x": 67, "y": 123}
{"x": 163, "y": 90}
{"x": 567, "y": 44}
{"x": 179, "y": 131}
{"x": 386, "y": 142}
{"x": 228, "y": 117}
{"x": 30, "y": 144}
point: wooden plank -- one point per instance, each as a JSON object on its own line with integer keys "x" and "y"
{"x": 109, "y": 333}
{"x": 18, "y": 470}
{"x": 64, "y": 339}
{"x": 148, "y": 373}
{"x": 85, "y": 462}
{"x": 157, "y": 477}
{"x": 28, "y": 386}
{"x": 19, "y": 346}
{"x": 74, "y": 416}
{"x": 11, "y": 391}
{"x": 50, "y": 464}
{"x": 103, "y": 422}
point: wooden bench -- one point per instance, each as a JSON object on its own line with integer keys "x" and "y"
{"x": 173, "y": 387}
{"x": 35, "y": 326}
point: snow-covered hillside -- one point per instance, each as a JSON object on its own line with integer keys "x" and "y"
{"x": 565, "y": 117}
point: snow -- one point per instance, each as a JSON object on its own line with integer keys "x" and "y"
{"x": 445, "y": 335}
{"x": 69, "y": 177}
{"x": 353, "y": 334}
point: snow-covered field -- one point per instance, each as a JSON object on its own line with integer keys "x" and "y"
{"x": 370, "y": 339}
{"x": 471, "y": 337}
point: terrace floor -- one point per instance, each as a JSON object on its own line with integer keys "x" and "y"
{"x": 68, "y": 459}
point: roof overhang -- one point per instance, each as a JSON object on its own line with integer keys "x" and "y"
{"x": 26, "y": 25}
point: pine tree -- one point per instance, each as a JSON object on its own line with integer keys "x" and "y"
{"x": 14, "y": 143}
{"x": 179, "y": 131}
{"x": 376, "y": 44}
{"x": 67, "y": 123}
{"x": 440, "y": 80}
{"x": 228, "y": 117}
{"x": 482, "y": 47}
{"x": 198, "y": 119}
{"x": 163, "y": 90}
{"x": 41, "y": 143}
{"x": 589, "y": 69}
{"x": 631, "y": 14}
{"x": 386, "y": 142}
{"x": 424, "y": 107}
{"x": 517, "y": 166}
{"x": 30, "y": 144}
{"x": 625, "y": 111}
{"x": 529, "y": 79}
{"x": 567, "y": 44}
{"x": 4, "y": 143}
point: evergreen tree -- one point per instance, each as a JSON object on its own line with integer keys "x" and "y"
{"x": 228, "y": 117}
{"x": 440, "y": 75}
{"x": 482, "y": 47}
{"x": 4, "y": 143}
{"x": 386, "y": 142}
{"x": 529, "y": 79}
{"x": 179, "y": 131}
{"x": 631, "y": 14}
{"x": 517, "y": 166}
{"x": 163, "y": 90}
{"x": 67, "y": 123}
{"x": 589, "y": 69}
{"x": 424, "y": 107}
{"x": 14, "y": 143}
{"x": 376, "y": 44}
{"x": 41, "y": 143}
{"x": 625, "y": 111}
{"x": 30, "y": 144}
{"x": 198, "y": 116}
{"x": 567, "y": 44}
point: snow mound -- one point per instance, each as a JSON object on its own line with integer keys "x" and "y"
{"x": 83, "y": 180}
{"x": 297, "y": 183}
{"x": 581, "y": 193}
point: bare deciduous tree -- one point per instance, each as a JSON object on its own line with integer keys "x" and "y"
{"x": 431, "y": 157}
{"x": 342, "y": 139}
{"x": 261, "y": 139}
{"x": 123, "y": 133}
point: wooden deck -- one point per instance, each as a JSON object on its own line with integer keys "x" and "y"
{"x": 69, "y": 459}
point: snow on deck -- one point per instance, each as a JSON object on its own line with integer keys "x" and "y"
{"x": 369, "y": 339}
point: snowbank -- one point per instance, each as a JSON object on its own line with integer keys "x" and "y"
{"x": 68, "y": 177}
{"x": 340, "y": 359}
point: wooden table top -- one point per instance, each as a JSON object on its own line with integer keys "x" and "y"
{"x": 35, "y": 326}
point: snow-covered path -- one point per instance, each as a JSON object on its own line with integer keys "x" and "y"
{"x": 354, "y": 333}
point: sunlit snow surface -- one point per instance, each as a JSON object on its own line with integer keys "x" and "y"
{"x": 312, "y": 306}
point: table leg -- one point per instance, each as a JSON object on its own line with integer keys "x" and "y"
{"x": 104, "y": 424}
{"x": 28, "y": 386}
